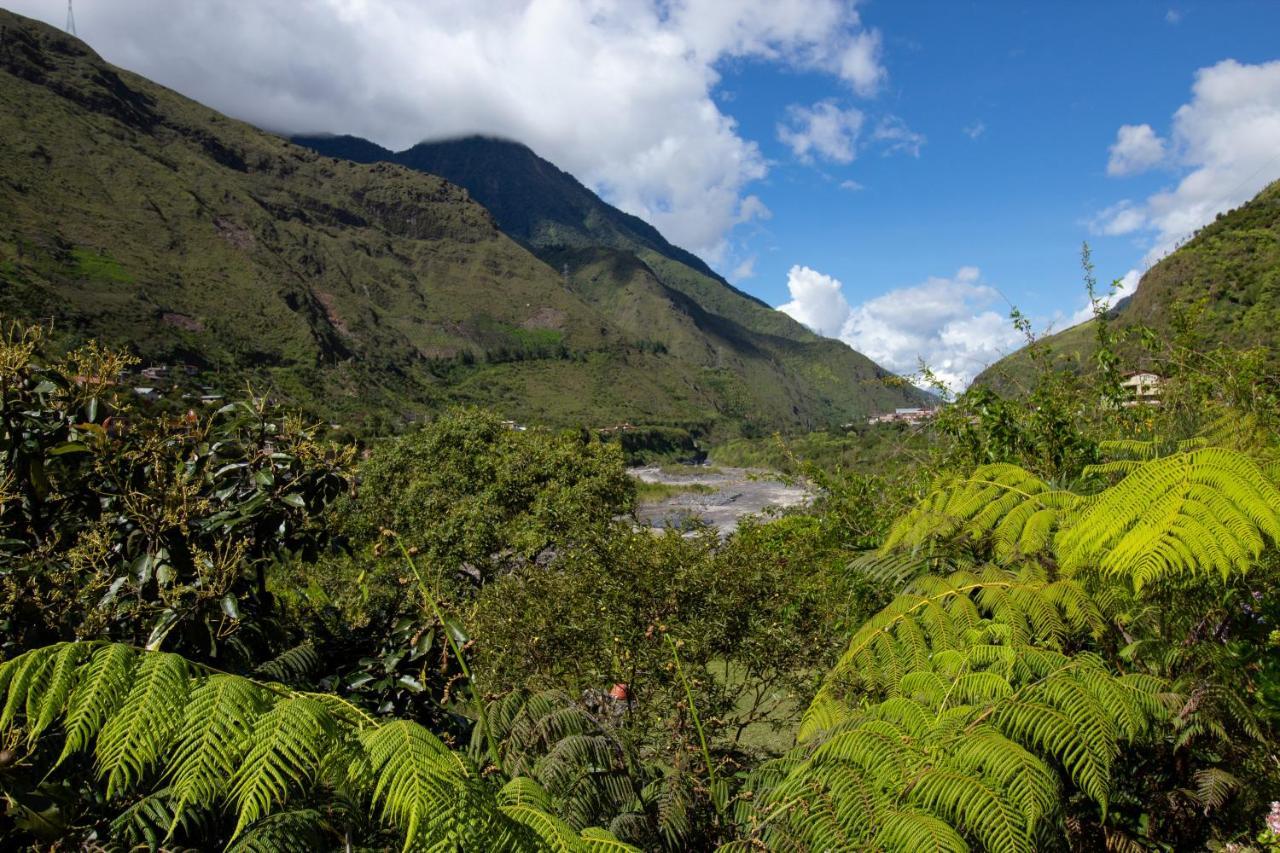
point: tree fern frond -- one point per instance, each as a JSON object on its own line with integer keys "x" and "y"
{"x": 995, "y": 500}
{"x": 285, "y": 749}
{"x": 290, "y": 665}
{"x": 969, "y": 803}
{"x": 149, "y": 822}
{"x": 1192, "y": 512}
{"x": 223, "y": 739}
{"x": 596, "y": 840}
{"x": 296, "y": 831}
{"x": 49, "y": 691}
{"x": 22, "y": 678}
{"x": 138, "y": 735}
{"x": 104, "y": 683}
{"x": 911, "y": 829}
{"x": 1214, "y": 787}
{"x": 419, "y": 784}
{"x": 216, "y": 730}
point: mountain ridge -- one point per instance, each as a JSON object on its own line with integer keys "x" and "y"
{"x": 1227, "y": 275}
{"x": 134, "y": 215}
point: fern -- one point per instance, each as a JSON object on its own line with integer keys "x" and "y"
{"x": 1182, "y": 510}
{"x": 291, "y": 665}
{"x": 554, "y": 741}
{"x": 150, "y": 821}
{"x": 296, "y": 831}
{"x": 1014, "y": 509}
{"x": 956, "y": 718}
{"x": 138, "y": 735}
{"x": 216, "y": 731}
{"x": 266, "y": 752}
{"x": 1206, "y": 510}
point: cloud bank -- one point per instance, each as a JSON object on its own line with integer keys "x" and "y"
{"x": 618, "y": 92}
{"x": 948, "y": 323}
{"x": 1225, "y": 144}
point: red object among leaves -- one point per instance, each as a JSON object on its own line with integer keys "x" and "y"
{"x": 620, "y": 692}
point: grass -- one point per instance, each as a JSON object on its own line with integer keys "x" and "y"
{"x": 99, "y": 267}
{"x": 654, "y": 492}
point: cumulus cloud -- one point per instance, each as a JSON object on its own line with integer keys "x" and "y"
{"x": 817, "y": 300}
{"x": 974, "y": 130}
{"x": 851, "y": 185}
{"x": 948, "y": 323}
{"x": 1224, "y": 142}
{"x": 618, "y": 92}
{"x": 1136, "y": 149}
{"x": 823, "y": 129}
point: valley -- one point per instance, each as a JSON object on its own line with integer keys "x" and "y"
{"x": 365, "y": 495}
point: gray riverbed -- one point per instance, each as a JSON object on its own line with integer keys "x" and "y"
{"x": 736, "y": 493}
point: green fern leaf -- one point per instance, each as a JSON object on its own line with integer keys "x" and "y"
{"x": 1189, "y": 513}
{"x": 103, "y": 686}
{"x": 216, "y": 731}
{"x": 138, "y": 735}
{"x": 285, "y": 751}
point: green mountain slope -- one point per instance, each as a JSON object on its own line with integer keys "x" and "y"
{"x": 134, "y": 215}
{"x": 653, "y": 290}
{"x": 1227, "y": 277}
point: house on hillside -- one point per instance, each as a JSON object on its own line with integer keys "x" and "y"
{"x": 1141, "y": 389}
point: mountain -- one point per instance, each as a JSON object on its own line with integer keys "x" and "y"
{"x": 532, "y": 200}
{"x": 1227, "y": 277}
{"x": 625, "y": 267}
{"x": 362, "y": 292}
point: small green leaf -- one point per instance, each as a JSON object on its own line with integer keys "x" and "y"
{"x": 163, "y": 626}
{"x": 68, "y": 447}
{"x": 142, "y": 567}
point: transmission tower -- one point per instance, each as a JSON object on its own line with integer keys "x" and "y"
{"x": 71, "y": 19}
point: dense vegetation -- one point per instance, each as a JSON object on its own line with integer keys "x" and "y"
{"x": 1046, "y": 622}
{"x": 1222, "y": 286}
{"x": 1041, "y": 621}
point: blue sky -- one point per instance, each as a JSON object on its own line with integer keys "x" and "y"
{"x": 888, "y": 173}
{"x": 1049, "y": 87}
{"x": 1042, "y": 90}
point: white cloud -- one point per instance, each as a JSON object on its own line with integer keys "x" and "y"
{"x": 1224, "y": 142}
{"x": 817, "y": 301}
{"x": 1125, "y": 286}
{"x": 824, "y": 130}
{"x": 851, "y": 185}
{"x": 744, "y": 270}
{"x": 618, "y": 92}
{"x": 1173, "y": 16}
{"x": 1137, "y": 148}
{"x": 1123, "y": 217}
{"x": 974, "y": 130}
{"x": 898, "y": 138}
{"x": 946, "y": 322}
{"x": 860, "y": 63}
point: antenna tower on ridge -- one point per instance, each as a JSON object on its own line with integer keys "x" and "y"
{"x": 71, "y": 19}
